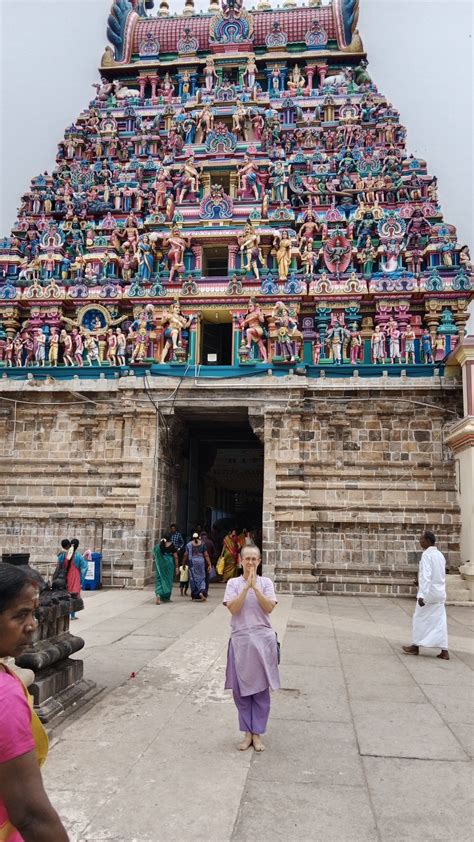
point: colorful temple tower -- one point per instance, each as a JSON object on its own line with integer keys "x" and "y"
{"x": 236, "y": 209}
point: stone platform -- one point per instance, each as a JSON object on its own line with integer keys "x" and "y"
{"x": 364, "y": 743}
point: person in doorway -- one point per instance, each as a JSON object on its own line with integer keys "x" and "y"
{"x": 177, "y": 538}
{"x": 252, "y": 655}
{"x": 183, "y": 579}
{"x": 166, "y": 565}
{"x": 231, "y": 554}
{"x": 76, "y": 569}
{"x": 246, "y": 538}
{"x": 429, "y": 620}
{"x": 211, "y": 551}
{"x": 26, "y": 812}
{"x": 197, "y": 557}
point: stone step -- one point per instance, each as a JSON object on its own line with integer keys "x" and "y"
{"x": 457, "y": 590}
{"x": 338, "y": 569}
{"x": 361, "y": 587}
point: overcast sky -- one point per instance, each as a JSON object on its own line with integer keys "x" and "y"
{"x": 420, "y": 54}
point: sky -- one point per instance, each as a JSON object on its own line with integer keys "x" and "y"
{"x": 420, "y": 54}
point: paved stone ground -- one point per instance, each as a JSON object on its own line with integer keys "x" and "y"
{"x": 364, "y": 743}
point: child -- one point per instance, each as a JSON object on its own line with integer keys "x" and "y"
{"x": 183, "y": 579}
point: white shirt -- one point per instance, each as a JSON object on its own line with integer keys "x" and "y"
{"x": 432, "y": 576}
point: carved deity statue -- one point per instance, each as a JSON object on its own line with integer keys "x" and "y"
{"x": 282, "y": 246}
{"x": 175, "y": 325}
{"x": 253, "y": 328}
{"x": 249, "y": 243}
{"x": 177, "y": 244}
{"x": 248, "y": 177}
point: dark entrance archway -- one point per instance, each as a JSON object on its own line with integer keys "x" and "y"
{"x": 221, "y": 473}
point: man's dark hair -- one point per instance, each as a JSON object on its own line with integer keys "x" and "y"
{"x": 65, "y": 543}
{"x": 12, "y": 582}
{"x": 430, "y": 536}
{"x": 175, "y": 525}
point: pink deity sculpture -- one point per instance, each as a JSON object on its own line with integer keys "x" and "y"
{"x": 252, "y": 326}
{"x": 111, "y": 347}
{"x": 77, "y": 347}
{"x": 177, "y": 245}
{"x": 8, "y": 352}
{"x": 66, "y": 343}
{"x": 355, "y": 346}
{"x": 316, "y": 349}
{"x": 17, "y": 350}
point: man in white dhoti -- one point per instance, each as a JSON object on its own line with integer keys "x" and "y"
{"x": 429, "y": 620}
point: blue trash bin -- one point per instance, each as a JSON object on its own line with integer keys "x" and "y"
{"x": 93, "y": 579}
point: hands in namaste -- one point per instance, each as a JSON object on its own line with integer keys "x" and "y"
{"x": 252, "y": 579}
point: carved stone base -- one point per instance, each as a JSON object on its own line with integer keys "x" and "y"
{"x": 52, "y": 710}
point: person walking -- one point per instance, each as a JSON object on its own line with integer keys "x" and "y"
{"x": 26, "y": 812}
{"x": 76, "y": 567}
{"x": 252, "y": 655}
{"x": 429, "y": 620}
{"x": 198, "y": 559}
{"x": 230, "y": 554}
{"x": 166, "y": 565}
{"x": 211, "y": 551}
{"x": 183, "y": 579}
{"x": 176, "y": 537}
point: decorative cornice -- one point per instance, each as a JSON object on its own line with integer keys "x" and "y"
{"x": 461, "y": 435}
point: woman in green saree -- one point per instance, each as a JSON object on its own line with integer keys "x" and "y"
{"x": 166, "y": 564}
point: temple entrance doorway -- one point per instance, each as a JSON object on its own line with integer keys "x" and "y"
{"x": 221, "y": 483}
{"x": 216, "y": 338}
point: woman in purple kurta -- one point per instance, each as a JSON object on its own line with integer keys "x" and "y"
{"x": 252, "y": 658}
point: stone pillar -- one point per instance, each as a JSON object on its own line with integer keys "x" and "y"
{"x": 233, "y": 185}
{"x": 460, "y": 438}
{"x": 206, "y": 183}
{"x": 461, "y": 316}
{"x": 233, "y": 251}
{"x": 154, "y": 80}
{"x": 310, "y": 70}
{"x": 197, "y": 251}
{"x": 11, "y": 321}
{"x": 192, "y": 347}
{"x": 236, "y": 334}
{"x": 322, "y": 70}
{"x": 142, "y": 82}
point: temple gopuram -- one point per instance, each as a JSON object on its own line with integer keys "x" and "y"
{"x": 235, "y": 301}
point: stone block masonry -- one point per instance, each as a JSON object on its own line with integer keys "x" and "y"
{"x": 353, "y": 471}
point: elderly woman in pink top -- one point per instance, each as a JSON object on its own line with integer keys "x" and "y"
{"x": 26, "y": 814}
{"x": 252, "y": 657}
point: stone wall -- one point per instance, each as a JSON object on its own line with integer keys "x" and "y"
{"x": 79, "y": 467}
{"x": 354, "y": 481}
{"x": 353, "y": 472}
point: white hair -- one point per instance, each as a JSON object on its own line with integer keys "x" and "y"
{"x": 251, "y": 548}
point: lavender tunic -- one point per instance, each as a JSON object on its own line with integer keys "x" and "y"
{"x": 252, "y": 654}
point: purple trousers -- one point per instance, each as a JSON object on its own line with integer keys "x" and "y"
{"x": 253, "y": 711}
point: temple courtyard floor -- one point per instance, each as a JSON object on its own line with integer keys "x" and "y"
{"x": 364, "y": 743}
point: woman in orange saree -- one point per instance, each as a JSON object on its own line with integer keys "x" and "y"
{"x": 231, "y": 555}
